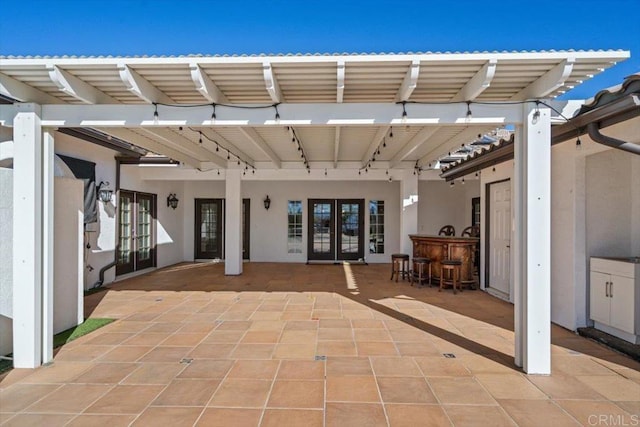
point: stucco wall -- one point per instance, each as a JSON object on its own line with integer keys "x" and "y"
{"x": 268, "y": 238}
{"x": 441, "y": 204}
{"x": 6, "y": 260}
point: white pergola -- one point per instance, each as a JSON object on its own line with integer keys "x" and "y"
{"x": 291, "y": 117}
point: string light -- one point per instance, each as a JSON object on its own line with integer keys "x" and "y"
{"x": 468, "y": 110}
{"x": 155, "y": 113}
{"x": 229, "y": 152}
{"x": 200, "y": 139}
{"x": 404, "y": 111}
{"x": 213, "y": 114}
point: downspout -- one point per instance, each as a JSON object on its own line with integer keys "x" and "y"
{"x": 113, "y": 263}
{"x": 594, "y": 133}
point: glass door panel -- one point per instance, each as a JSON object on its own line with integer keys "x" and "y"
{"x": 208, "y": 228}
{"x": 321, "y": 230}
{"x": 144, "y": 236}
{"x": 136, "y": 244}
{"x": 351, "y": 226}
{"x": 125, "y": 233}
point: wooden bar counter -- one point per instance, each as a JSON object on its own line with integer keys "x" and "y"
{"x": 438, "y": 248}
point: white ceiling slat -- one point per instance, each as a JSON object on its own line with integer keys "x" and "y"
{"x": 152, "y": 145}
{"x": 271, "y": 83}
{"x": 478, "y": 83}
{"x": 16, "y": 89}
{"x": 410, "y": 82}
{"x": 375, "y": 143}
{"x": 340, "y": 86}
{"x": 547, "y": 83}
{"x": 79, "y": 89}
{"x": 139, "y": 86}
{"x": 413, "y": 144}
{"x": 336, "y": 147}
{"x": 257, "y": 140}
{"x": 180, "y": 143}
{"x": 205, "y": 85}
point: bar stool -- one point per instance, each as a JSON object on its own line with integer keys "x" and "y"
{"x": 421, "y": 271}
{"x": 454, "y": 266}
{"x": 399, "y": 265}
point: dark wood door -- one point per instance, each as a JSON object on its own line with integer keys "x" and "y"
{"x": 246, "y": 221}
{"x": 321, "y": 236}
{"x": 208, "y": 232}
{"x": 136, "y": 231}
{"x": 351, "y": 229}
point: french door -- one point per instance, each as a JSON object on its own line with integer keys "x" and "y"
{"x": 336, "y": 229}
{"x": 136, "y": 231}
{"x": 209, "y": 223}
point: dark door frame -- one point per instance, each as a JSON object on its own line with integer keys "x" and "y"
{"x": 331, "y": 230}
{"x": 339, "y": 228}
{"x": 219, "y": 250}
{"x": 335, "y": 231}
{"x": 134, "y": 265}
{"x": 246, "y": 229}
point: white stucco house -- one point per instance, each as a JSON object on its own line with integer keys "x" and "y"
{"x": 261, "y": 158}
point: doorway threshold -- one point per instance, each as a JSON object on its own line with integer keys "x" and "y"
{"x": 335, "y": 262}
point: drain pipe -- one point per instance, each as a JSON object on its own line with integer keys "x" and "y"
{"x": 594, "y": 133}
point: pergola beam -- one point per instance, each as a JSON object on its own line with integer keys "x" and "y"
{"x": 478, "y": 83}
{"x": 549, "y": 82}
{"x": 153, "y": 146}
{"x": 79, "y": 89}
{"x": 261, "y": 144}
{"x": 295, "y": 115}
{"x": 410, "y": 82}
{"x": 15, "y": 89}
{"x": 374, "y": 144}
{"x": 140, "y": 87}
{"x": 412, "y": 145}
{"x": 180, "y": 143}
{"x": 271, "y": 83}
{"x": 205, "y": 85}
{"x": 340, "y": 70}
{"x": 336, "y": 147}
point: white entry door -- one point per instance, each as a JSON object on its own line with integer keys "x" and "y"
{"x": 499, "y": 236}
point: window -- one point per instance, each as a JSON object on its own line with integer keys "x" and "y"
{"x": 376, "y": 226}
{"x": 294, "y": 227}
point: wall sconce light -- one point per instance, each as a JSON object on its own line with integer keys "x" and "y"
{"x": 172, "y": 200}
{"x": 104, "y": 192}
{"x": 267, "y": 202}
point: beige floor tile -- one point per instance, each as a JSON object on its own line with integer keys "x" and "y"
{"x": 109, "y": 338}
{"x": 225, "y": 417}
{"x": 343, "y": 366}
{"x": 298, "y": 337}
{"x": 70, "y": 398}
{"x": 335, "y": 334}
{"x": 401, "y": 415}
{"x": 334, "y": 323}
{"x": 253, "y": 351}
{"x": 187, "y": 392}
{"x": 535, "y": 413}
{"x": 38, "y": 420}
{"x": 106, "y": 373}
{"x": 577, "y": 365}
{"x": 354, "y": 414}
{"x": 459, "y": 390}
{"x": 210, "y": 351}
{"x": 57, "y": 372}
{"x": 352, "y": 389}
{"x": 163, "y": 416}
{"x": 154, "y": 373}
{"x": 395, "y": 367}
{"x": 336, "y": 348}
{"x": 558, "y": 386}
{"x": 591, "y": 412}
{"x": 294, "y": 351}
{"x": 147, "y": 339}
{"x": 207, "y": 369}
{"x": 440, "y": 366}
{"x": 125, "y": 399}
{"x": 254, "y": 369}
{"x": 613, "y": 387}
{"x": 301, "y": 325}
{"x": 81, "y": 353}
{"x": 266, "y": 315}
{"x": 234, "y": 325}
{"x": 405, "y": 390}
{"x": 376, "y": 349}
{"x": 261, "y": 337}
{"x": 292, "y": 418}
{"x": 417, "y": 349}
{"x": 631, "y": 407}
{"x": 509, "y": 386}
{"x": 19, "y": 396}
{"x": 371, "y": 335}
{"x": 253, "y": 392}
{"x": 125, "y": 353}
{"x": 367, "y": 324}
{"x": 165, "y": 354}
{"x": 480, "y": 416}
{"x": 297, "y": 394}
{"x": 197, "y": 327}
{"x": 301, "y": 370}
{"x": 184, "y": 339}
{"x": 161, "y": 326}
{"x": 227, "y": 337}
{"x": 83, "y": 420}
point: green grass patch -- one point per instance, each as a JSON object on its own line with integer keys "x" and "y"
{"x": 76, "y": 332}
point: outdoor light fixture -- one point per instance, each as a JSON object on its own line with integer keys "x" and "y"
{"x": 172, "y": 200}
{"x": 104, "y": 192}
{"x": 267, "y": 202}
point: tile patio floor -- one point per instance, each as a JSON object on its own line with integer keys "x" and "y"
{"x": 193, "y": 347}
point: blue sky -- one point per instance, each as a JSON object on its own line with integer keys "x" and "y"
{"x": 161, "y": 27}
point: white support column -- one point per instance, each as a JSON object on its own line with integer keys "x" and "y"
{"x": 47, "y": 244}
{"x": 409, "y": 209}
{"x": 532, "y": 248}
{"x": 233, "y": 222}
{"x": 27, "y": 249}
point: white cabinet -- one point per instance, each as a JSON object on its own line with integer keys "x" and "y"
{"x": 615, "y": 297}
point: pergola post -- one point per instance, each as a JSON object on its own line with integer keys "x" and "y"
{"x": 408, "y": 209}
{"x": 233, "y": 222}
{"x": 33, "y": 239}
{"x": 532, "y": 246}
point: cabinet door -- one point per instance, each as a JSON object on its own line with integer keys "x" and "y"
{"x": 622, "y": 301}
{"x": 600, "y": 302}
